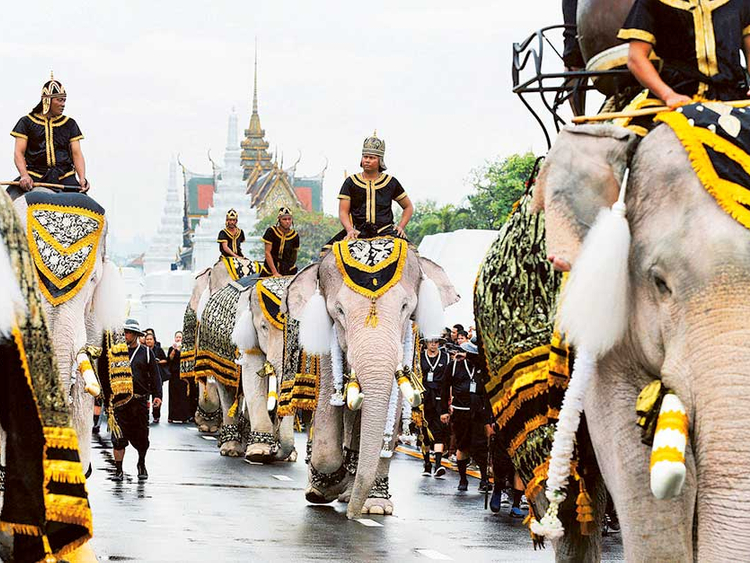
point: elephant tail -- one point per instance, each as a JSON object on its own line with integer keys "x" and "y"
{"x": 110, "y": 304}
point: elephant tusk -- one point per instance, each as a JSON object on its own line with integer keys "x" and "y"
{"x": 354, "y": 395}
{"x": 406, "y": 388}
{"x": 91, "y": 384}
{"x": 668, "y": 451}
{"x": 272, "y": 395}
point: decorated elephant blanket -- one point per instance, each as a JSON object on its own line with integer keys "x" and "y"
{"x": 716, "y": 138}
{"x": 63, "y": 233}
{"x": 300, "y": 380}
{"x": 270, "y": 293}
{"x": 45, "y": 504}
{"x": 528, "y": 365}
{"x": 216, "y": 353}
{"x": 240, "y": 268}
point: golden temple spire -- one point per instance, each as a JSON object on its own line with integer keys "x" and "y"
{"x": 255, "y": 80}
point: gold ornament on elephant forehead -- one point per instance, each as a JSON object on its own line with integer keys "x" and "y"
{"x": 266, "y": 370}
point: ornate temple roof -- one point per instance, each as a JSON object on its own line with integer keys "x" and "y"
{"x": 255, "y": 156}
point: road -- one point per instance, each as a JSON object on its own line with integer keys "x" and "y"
{"x": 198, "y": 506}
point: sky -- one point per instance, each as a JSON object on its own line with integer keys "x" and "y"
{"x": 148, "y": 80}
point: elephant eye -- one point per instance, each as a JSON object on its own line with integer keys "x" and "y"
{"x": 404, "y": 306}
{"x": 339, "y": 310}
{"x": 661, "y": 285}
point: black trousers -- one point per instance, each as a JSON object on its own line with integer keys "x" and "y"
{"x": 132, "y": 418}
{"x": 468, "y": 427}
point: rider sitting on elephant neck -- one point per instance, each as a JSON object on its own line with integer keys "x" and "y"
{"x": 230, "y": 238}
{"x": 698, "y": 44}
{"x": 282, "y": 246}
{"x": 365, "y": 199}
{"x": 48, "y": 148}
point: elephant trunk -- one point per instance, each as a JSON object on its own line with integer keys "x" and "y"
{"x": 373, "y": 421}
{"x": 721, "y": 446}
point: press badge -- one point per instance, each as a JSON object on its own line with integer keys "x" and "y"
{"x": 473, "y": 387}
{"x": 430, "y": 376}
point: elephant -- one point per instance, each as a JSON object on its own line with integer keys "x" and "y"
{"x": 370, "y": 329}
{"x": 684, "y": 325}
{"x": 79, "y": 312}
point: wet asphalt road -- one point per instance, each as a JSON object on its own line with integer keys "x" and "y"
{"x": 198, "y": 506}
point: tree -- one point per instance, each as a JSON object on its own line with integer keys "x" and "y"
{"x": 315, "y": 229}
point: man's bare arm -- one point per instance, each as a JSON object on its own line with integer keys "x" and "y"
{"x": 344, "y": 207}
{"x": 19, "y": 158}
{"x": 408, "y": 211}
{"x": 269, "y": 260}
{"x": 645, "y": 72}
{"x": 79, "y": 163}
{"x": 226, "y": 249}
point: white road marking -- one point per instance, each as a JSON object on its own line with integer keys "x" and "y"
{"x": 282, "y": 478}
{"x": 212, "y": 438}
{"x": 369, "y": 523}
{"x": 432, "y": 554}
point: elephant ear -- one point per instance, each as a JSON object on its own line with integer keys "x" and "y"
{"x": 436, "y": 292}
{"x": 448, "y": 294}
{"x": 580, "y": 176}
{"x": 301, "y": 288}
{"x": 305, "y": 303}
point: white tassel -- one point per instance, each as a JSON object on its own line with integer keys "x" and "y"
{"x": 244, "y": 334}
{"x": 11, "y": 298}
{"x": 594, "y": 303}
{"x": 390, "y": 423}
{"x": 110, "y": 301}
{"x": 429, "y": 315}
{"x": 315, "y": 326}
{"x": 202, "y": 302}
{"x": 337, "y": 370}
{"x": 563, "y": 442}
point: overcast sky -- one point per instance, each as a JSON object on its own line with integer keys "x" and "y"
{"x": 147, "y": 79}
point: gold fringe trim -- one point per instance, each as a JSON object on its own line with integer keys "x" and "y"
{"x": 18, "y": 339}
{"x": 62, "y": 438}
{"x": 24, "y": 529}
{"x": 517, "y": 402}
{"x": 535, "y": 486}
{"x": 64, "y": 471}
{"x": 530, "y": 426}
{"x": 343, "y": 257}
{"x": 264, "y": 292}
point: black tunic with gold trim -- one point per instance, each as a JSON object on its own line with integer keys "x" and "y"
{"x": 284, "y": 249}
{"x": 48, "y": 155}
{"x": 234, "y": 241}
{"x": 699, "y": 42}
{"x": 371, "y": 200}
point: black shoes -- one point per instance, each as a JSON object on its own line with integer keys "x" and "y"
{"x": 484, "y": 486}
{"x": 119, "y": 475}
{"x": 440, "y": 472}
{"x": 427, "y": 472}
{"x": 142, "y": 473}
{"x": 463, "y": 485}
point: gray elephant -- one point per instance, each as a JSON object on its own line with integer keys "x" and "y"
{"x": 687, "y": 309}
{"x": 82, "y": 291}
{"x": 370, "y": 292}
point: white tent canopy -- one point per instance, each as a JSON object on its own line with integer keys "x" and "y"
{"x": 460, "y": 254}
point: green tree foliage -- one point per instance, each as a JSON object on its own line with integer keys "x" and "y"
{"x": 498, "y": 184}
{"x": 315, "y": 229}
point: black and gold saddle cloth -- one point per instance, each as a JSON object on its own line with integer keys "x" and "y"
{"x": 300, "y": 381}
{"x": 716, "y": 138}
{"x": 216, "y": 352}
{"x": 270, "y": 293}
{"x": 239, "y": 268}
{"x": 63, "y": 231}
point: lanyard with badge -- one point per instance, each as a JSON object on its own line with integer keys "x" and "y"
{"x": 472, "y": 383}
{"x": 135, "y": 352}
{"x": 431, "y": 373}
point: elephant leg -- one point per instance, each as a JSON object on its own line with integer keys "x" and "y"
{"x": 352, "y": 427}
{"x": 379, "y": 500}
{"x": 208, "y": 414}
{"x": 285, "y": 431}
{"x": 230, "y": 439}
{"x": 327, "y": 476}
{"x": 261, "y": 447}
{"x": 652, "y": 530}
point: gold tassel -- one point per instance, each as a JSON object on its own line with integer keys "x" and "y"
{"x": 114, "y": 428}
{"x": 48, "y": 555}
{"x": 584, "y": 510}
{"x": 372, "y": 316}
{"x": 233, "y": 409}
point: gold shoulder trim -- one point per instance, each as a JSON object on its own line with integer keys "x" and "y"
{"x": 78, "y": 138}
{"x": 746, "y": 31}
{"x": 58, "y": 121}
{"x": 382, "y": 180}
{"x": 358, "y": 180}
{"x": 402, "y": 196}
{"x": 19, "y": 135}
{"x": 637, "y": 34}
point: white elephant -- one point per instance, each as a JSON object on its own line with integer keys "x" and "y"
{"x": 371, "y": 290}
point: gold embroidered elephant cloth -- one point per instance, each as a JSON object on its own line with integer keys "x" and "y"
{"x": 300, "y": 381}
{"x": 63, "y": 233}
{"x": 46, "y": 504}
{"x": 716, "y": 138}
{"x": 371, "y": 266}
{"x": 270, "y": 293}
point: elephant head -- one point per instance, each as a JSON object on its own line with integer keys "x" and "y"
{"x": 688, "y": 303}
{"x": 374, "y": 350}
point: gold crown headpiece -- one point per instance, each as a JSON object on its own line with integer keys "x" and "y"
{"x": 373, "y": 145}
{"x": 51, "y": 89}
{"x": 284, "y": 211}
{"x": 232, "y": 214}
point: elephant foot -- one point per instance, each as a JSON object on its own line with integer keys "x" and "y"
{"x": 260, "y": 453}
{"x": 381, "y": 506}
{"x": 326, "y": 487}
{"x": 231, "y": 449}
{"x": 292, "y": 457}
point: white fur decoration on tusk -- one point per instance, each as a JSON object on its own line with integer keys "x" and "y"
{"x": 563, "y": 443}
{"x": 202, "y": 302}
{"x": 594, "y": 303}
{"x": 429, "y": 314}
{"x": 668, "y": 450}
{"x": 110, "y": 299}
{"x": 315, "y": 326}
{"x": 354, "y": 397}
{"x": 11, "y": 298}
{"x": 337, "y": 370}
{"x": 91, "y": 383}
{"x": 244, "y": 334}
{"x": 273, "y": 395}
{"x": 390, "y": 423}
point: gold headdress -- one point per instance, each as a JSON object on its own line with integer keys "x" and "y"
{"x": 51, "y": 89}
{"x": 375, "y": 146}
{"x": 232, "y": 214}
{"x": 284, "y": 211}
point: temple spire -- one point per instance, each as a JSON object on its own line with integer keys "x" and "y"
{"x": 255, "y": 80}
{"x": 255, "y": 146}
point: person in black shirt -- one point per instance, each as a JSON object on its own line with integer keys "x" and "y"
{"x": 48, "y": 147}
{"x": 699, "y": 44}
{"x": 230, "y": 238}
{"x": 282, "y": 245}
{"x": 132, "y": 417}
{"x": 434, "y": 363}
{"x": 161, "y": 361}
{"x": 183, "y": 393}
{"x": 464, "y": 403}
